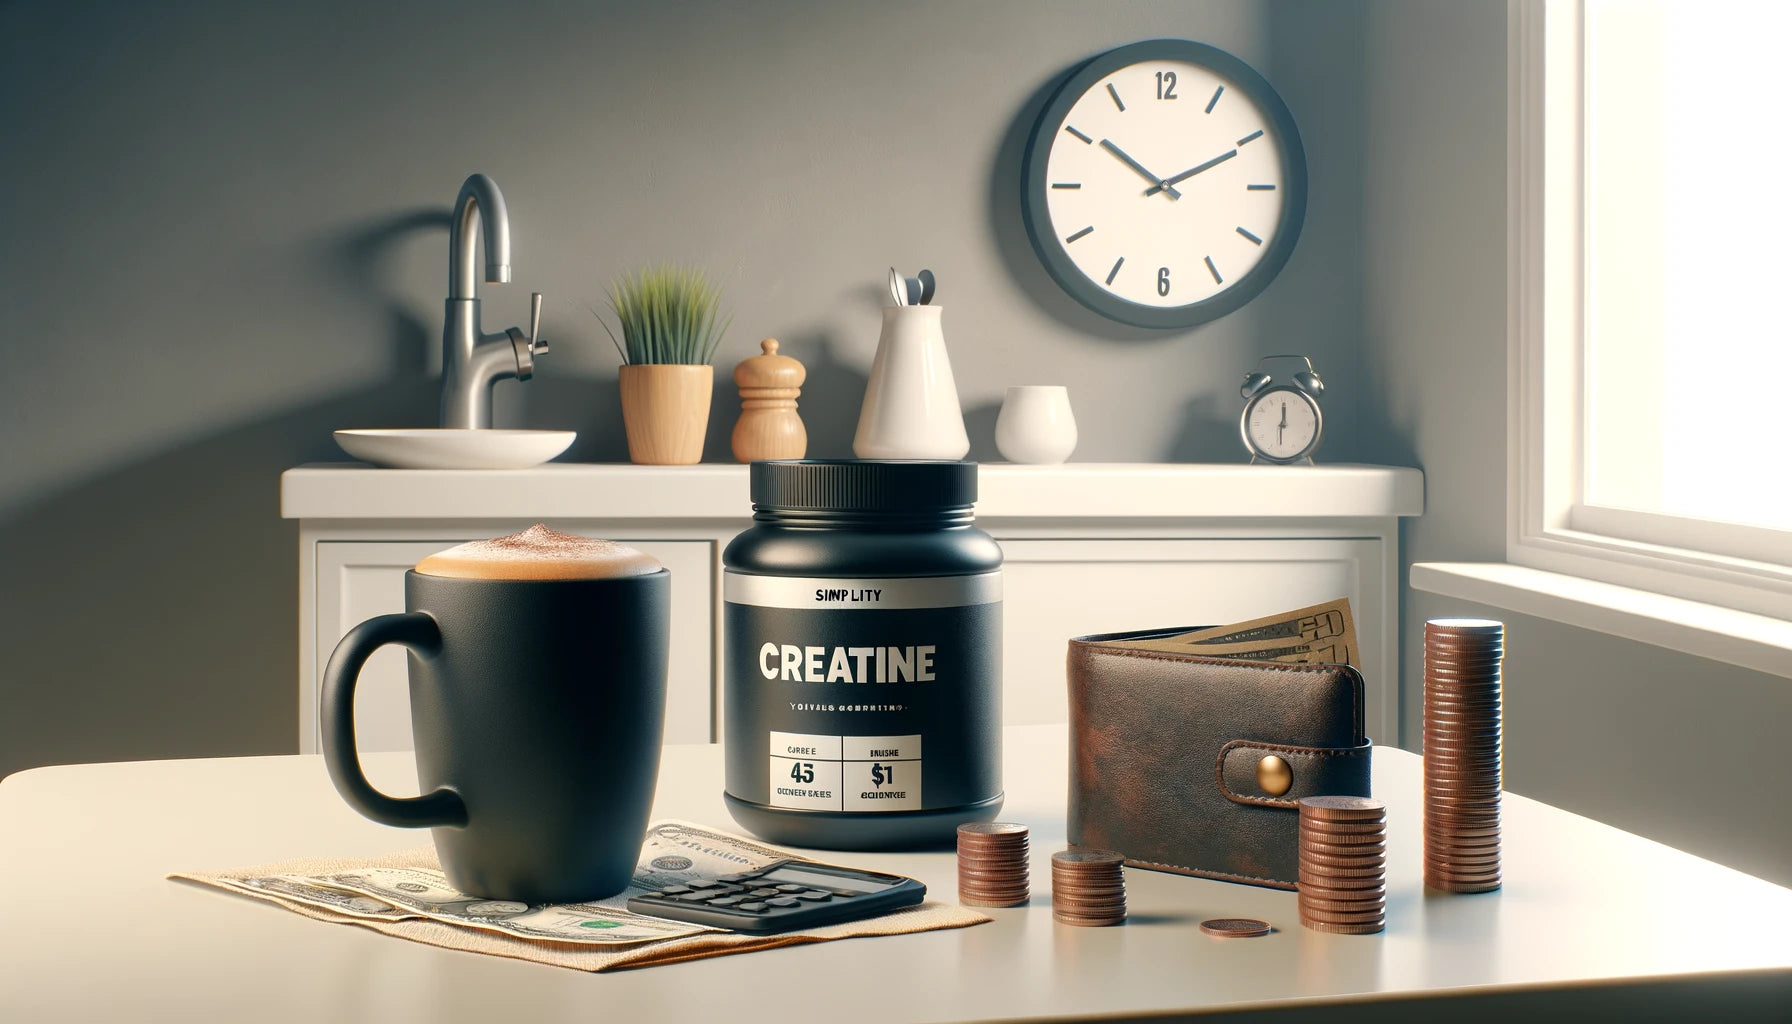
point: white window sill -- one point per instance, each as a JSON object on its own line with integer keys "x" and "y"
{"x": 1709, "y": 631}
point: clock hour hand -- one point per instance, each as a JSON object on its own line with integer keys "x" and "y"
{"x": 1156, "y": 182}
{"x": 1192, "y": 171}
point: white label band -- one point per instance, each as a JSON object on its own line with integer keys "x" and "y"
{"x": 845, "y": 773}
{"x": 880, "y": 592}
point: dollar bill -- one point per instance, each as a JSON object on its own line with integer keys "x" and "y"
{"x": 675, "y": 852}
{"x": 342, "y": 901}
{"x": 671, "y": 852}
{"x": 427, "y": 893}
{"x": 1318, "y": 634}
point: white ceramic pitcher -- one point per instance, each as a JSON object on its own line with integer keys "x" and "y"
{"x": 911, "y": 404}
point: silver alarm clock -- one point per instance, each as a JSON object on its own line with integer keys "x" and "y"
{"x": 1282, "y": 423}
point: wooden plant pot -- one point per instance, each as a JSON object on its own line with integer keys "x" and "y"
{"x": 665, "y": 410}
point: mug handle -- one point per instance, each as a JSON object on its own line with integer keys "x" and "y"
{"x": 418, "y": 632}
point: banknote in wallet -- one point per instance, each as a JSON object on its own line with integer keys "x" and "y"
{"x": 1321, "y": 634}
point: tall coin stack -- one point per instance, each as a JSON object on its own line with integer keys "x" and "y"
{"x": 1462, "y": 754}
{"x": 1343, "y": 864}
{"x": 1088, "y": 888}
{"x": 992, "y": 864}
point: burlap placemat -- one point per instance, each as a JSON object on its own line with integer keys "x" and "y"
{"x": 927, "y": 916}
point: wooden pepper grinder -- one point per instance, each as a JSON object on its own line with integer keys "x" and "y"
{"x": 769, "y": 427}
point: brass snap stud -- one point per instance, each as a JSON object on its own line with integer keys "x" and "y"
{"x": 1274, "y": 775}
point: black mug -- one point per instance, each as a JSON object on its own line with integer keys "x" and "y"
{"x": 537, "y": 709}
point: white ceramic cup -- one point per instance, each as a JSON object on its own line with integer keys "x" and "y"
{"x": 1035, "y": 425}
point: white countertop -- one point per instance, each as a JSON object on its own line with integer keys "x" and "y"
{"x": 352, "y": 490}
{"x": 94, "y": 932}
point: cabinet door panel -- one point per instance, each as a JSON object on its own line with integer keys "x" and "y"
{"x": 1055, "y": 590}
{"x": 358, "y": 580}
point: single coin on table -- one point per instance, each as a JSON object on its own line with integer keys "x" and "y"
{"x": 1235, "y": 927}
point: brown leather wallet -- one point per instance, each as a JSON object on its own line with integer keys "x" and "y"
{"x": 1165, "y": 750}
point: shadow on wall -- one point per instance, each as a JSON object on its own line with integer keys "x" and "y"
{"x": 829, "y": 406}
{"x": 1208, "y": 431}
{"x": 980, "y": 425}
{"x": 101, "y": 576}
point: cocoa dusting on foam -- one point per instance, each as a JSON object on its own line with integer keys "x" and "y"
{"x": 539, "y": 553}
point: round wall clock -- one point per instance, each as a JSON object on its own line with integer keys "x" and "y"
{"x": 1164, "y": 184}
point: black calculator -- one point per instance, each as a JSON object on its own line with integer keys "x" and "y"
{"x": 780, "y": 897}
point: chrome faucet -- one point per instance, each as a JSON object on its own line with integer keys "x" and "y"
{"x": 471, "y": 359}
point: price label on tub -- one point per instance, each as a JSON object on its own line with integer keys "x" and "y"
{"x": 845, "y": 773}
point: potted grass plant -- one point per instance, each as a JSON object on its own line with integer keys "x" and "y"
{"x": 669, "y": 331}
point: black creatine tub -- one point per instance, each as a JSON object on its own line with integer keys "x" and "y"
{"x": 862, "y": 638}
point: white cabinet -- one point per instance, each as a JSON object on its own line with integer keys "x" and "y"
{"x": 1055, "y": 590}
{"x": 1089, "y": 548}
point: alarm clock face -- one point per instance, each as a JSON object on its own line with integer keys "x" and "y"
{"x": 1281, "y": 425}
{"x": 1166, "y": 184}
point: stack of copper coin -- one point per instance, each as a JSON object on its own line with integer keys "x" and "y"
{"x": 1462, "y": 754}
{"x": 992, "y": 864}
{"x": 1343, "y": 864}
{"x": 1088, "y": 888}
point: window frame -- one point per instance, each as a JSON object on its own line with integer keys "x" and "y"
{"x": 1549, "y": 526}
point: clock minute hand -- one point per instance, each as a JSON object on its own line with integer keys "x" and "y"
{"x": 1156, "y": 182}
{"x": 1192, "y": 171}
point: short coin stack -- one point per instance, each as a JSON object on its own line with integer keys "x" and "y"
{"x": 1088, "y": 888}
{"x": 1462, "y": 754}
{"x": 992, "y": 864}
{"x": 1343, "y": 864}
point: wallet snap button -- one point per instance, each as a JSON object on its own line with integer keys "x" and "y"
{"x": 1274, "y": 775}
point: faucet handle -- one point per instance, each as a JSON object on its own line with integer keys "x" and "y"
{"x": 537, "y": 344}
{"x": 528, "y": 348}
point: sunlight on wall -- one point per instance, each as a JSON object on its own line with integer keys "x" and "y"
{"x": 1688, "y": 257}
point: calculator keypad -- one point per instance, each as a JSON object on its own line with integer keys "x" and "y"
{"x": 748, "y": 895}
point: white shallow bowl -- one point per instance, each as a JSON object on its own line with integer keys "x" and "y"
{"x": 455, "y": 449}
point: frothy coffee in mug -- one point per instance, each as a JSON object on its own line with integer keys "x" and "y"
{"x": 539, "y": 553}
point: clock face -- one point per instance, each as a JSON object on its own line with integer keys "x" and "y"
{"x": 1281, "y": 424}
{"x": 1166, "y": 184}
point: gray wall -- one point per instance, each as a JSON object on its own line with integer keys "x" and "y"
{"x": 1683, "y": 750}
{"x": 224, "y": 234}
